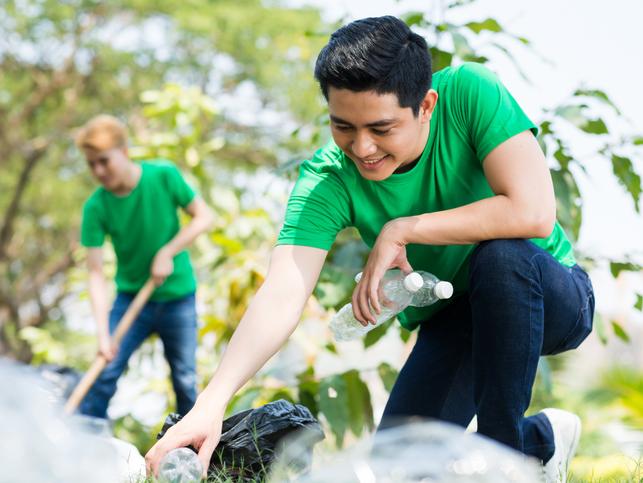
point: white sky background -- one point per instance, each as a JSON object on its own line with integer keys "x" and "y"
{"x": 591, "y": 43}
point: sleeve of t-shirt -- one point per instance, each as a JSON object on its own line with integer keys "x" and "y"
{"x": 490, "y": 113}
{"x": 318, "y": 208}
{"x": 92, "y": 230}
{"x": 181, "y": 192}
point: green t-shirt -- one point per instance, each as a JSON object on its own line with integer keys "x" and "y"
{"x": 474, "y": 114}
{"x": 139, "y": 224}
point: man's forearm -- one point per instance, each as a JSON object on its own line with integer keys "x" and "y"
{"x": 186, "y": 235}
{"x": 270, "y": 319}
{"x": 98, "y": 298}
{"x": 487, "y": 219}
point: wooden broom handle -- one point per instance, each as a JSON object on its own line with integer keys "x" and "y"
{"x": 100, "y": 362}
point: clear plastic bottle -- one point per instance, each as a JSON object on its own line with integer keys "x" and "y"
{"x": 396, "y": 291}
{"x": 433, "y": 289}
{"x": 181, "y": 465}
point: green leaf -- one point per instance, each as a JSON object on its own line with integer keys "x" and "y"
{"x": 575, "y": 114}
{"x": 639, "y": 302}
{"x": 334, "y": 407}
{"x": 376, "y": 334}
{"x": 308, "y": 393}
{"x": 545, "y": 128}
{"x": 595, "y": 126}
{"x": 413, "y": 18}
{"x": 620, "y": 332}
{"x": 597, "y": 94}
{"x": 618, "y": 267}
{"x": 568, "y": 201}
{"x": 562, "y": 155}
{"x": 308, "y": 389}
{"x": 405, "y": 334}
{"x": 624, "y": 171}
{"x": 637, "y": 141}
{"x": 388, "y": 375}
{"x": 479, "y": 59}
{"x": 489, "y": 24}
{"x": 330, "y": 347}
{"x": 440, "y": 59}
{"x": 358, "y": 398}
{"x": 599, "y": 325}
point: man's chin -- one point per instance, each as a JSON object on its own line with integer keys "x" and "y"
{"x": 108, "y": 185}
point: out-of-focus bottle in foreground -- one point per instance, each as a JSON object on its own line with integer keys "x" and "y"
{"x": 181, "y": 465}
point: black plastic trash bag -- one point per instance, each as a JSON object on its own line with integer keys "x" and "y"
{"x": 251, "y": 439}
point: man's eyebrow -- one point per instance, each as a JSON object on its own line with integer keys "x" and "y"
{"x": 380, "y": 123}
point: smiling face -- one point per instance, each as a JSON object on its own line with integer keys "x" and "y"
{"x": 376, "y": 133}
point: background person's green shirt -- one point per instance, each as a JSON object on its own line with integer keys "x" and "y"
{"x": 139, "y": 224}
{"x": 474, "y": 114}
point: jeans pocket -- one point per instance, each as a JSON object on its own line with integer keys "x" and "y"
{"x": 583, "y": 326}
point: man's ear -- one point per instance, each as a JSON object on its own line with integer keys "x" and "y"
{"x": 427, "y": 105}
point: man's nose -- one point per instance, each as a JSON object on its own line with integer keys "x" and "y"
{"x": 363, "y": 145}
{"x": 98, "y": 169}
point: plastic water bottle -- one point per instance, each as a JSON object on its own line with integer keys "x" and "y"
{"x": 433, "y": 289}
{"x": 181, "y": 465}
{"x": 396, "y": 291}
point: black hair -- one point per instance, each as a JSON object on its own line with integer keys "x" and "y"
{"x": 380, "y": 54}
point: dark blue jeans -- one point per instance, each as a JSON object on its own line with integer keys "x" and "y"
{"x": 175, "y": 323}
{"x": 479, "y": 355}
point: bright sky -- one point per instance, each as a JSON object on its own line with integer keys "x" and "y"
{"x": 589, "y": 44}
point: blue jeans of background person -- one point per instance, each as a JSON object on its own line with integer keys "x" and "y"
{"x": 479, "y": 355}
{"x": 175, "y": 323}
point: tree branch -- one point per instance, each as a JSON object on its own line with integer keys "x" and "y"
{"x": 39, "y": 146}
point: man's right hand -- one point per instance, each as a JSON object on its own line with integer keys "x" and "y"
{"x": 199, "y": 428}
{"x": 106, "y": 347}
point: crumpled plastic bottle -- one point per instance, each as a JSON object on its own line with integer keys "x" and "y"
{"x": 181, "y": 465}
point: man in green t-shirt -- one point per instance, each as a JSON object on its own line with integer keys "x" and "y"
{"x": 136, "y": 206}
{"x": 440, "y": 173}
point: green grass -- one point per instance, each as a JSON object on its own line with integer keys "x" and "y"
{"x": 615, "y": 468}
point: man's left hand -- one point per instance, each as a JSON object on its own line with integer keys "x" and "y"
{"x": 162, "y": 266}
{"x": 389, "y": 251}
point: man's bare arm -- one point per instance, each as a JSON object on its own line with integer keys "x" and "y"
{"x": 98, "y": 297}
{"x": 271, "y": 317}
{"x": 202, "y": 218}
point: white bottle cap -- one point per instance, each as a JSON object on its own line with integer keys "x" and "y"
{"x": 358, "y": 277}
{"x": 443, "y": 290}
{"x": 413, "y": 282}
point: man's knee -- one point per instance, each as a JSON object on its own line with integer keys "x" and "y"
{"x": 501, "y": 254}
